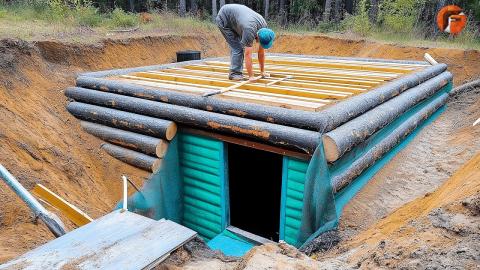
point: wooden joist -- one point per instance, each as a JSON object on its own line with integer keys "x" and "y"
{"x": 77, "y": 216}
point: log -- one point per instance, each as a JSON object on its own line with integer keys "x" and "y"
{"x": 322, "y": 121}
{"x": 124, "y": 120}
{"x": 277, "y": 115}
{"x": 136, "y": 159}
{"x": 376, "y": 152}
{"x": 348, "y": 109}
{"x": 288, "y": 137}
{"x": 138, "y": 142}
{"x": 342, "y": 139}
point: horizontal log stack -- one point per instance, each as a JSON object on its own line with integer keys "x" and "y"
{"x": 137, "y": 110}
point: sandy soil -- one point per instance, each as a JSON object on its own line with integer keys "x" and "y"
{"x": 41, "y": 143}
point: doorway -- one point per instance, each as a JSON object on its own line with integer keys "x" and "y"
{"x": 255, "y": 183}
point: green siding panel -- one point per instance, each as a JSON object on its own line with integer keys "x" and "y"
{"x": 295, "y": 178}
{"x": 202, "y": 170}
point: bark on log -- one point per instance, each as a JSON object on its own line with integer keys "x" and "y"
{"x": 322, "y": 121}
{"x": 288, "y": 117}
{"x": 344, "y": 111}
{"x": 342, "y": 139}
{"x": 138, "y": 142}
{"x": 288, "y": 137}
{"x": 376, "y": 152}
{"x": 133, "y": 158}
{"x": 124, "y": 120}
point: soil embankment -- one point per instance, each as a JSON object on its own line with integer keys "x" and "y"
{"x": 41, "y": 143}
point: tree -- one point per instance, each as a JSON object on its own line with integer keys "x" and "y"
{"x": 222, "y": 3}
{"x": 327, "y": 11}
{"x": 193, "y": 7}
{"x": 282, "y": 14}
{"x": 267, "y": 7}
{"x": 373, "y": 12}
{"x": 214, "y": 9}
{"x": 338, "y": 12}
{"x": 182, "y": 8}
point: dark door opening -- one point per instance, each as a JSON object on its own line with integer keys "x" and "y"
{"x": 255, "y": 184}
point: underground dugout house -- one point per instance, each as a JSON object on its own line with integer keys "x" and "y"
{"x": 270, "y": 160}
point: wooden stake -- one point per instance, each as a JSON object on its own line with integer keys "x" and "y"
{"x": 430, "y": 59}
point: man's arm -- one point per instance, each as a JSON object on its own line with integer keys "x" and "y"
{"x": 261, "y": 59}
{"x": 248, "y": 61}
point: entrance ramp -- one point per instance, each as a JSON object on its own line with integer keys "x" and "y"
{"x": 119, "y": 240}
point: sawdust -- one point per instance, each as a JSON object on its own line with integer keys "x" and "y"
{"x": 41, "y": 143}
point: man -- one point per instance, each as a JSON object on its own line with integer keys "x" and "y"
{"x": 241, "y": 26}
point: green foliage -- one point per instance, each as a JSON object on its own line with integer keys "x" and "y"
{"x": 360, "y": 22}
{"x": 121, "y": 19}
{"x": 88, "y": 16}
{"x": 400, "y": 16}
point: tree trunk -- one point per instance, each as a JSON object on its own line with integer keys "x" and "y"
{"x": 133, "y": 158}
{"x": 193, "y": 7}
{"x": 141, "y": 143}
{"x": 344, "y": 138}
{"x": 267, "y": 7}
{"x": 222, "y": 3}
{"x": 379, "y": 150}
{"x": 124, "y": 120}
{"x": 282, "y": 14}
{"x": 338, "y": 10}
{"x": 182, "y": 10}
{"x": 214, "y": 9}
{"x": 291, "y": 138}
{"x": 327, "y": 11}
{"x": 373, "y": 12}
{"x": 132, "y": 5}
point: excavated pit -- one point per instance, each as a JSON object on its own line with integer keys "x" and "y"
{"x": 42, "y": 143}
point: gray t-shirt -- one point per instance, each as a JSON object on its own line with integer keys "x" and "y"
{"x": 243, "y": 21}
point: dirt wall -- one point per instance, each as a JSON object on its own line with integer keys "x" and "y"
{"x": 41, "y": 143}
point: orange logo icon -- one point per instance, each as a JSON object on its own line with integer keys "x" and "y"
{"x": 451, "y": 19}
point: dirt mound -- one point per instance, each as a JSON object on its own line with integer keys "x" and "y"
{"x": 437, "y": 231}
{"x": 41, "y": 143}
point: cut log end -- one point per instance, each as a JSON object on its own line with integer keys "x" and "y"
{"x": 331, "y": 149}
{"x": 161, "y": 149}
{"x": 171, "y": 131}
{"x": 157, "y": 165}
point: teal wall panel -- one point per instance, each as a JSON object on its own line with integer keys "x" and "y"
{"x": 294, "y": 172}
{"x": 203, "y": 174}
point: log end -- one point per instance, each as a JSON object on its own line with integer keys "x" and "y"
{"x": 171, "y": 131}
{"x": 157, "y": 164}
{"x": 331, "y": 149}
{"x": 161, "y": 149}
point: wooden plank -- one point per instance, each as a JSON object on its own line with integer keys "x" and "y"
{"x": 320, "y": 94}
{"x": 224, "y": 75}
{"x": 352, "y": 61}
{"x": 269, "y": 81}
{"x": 231, "y": 87}
{"x": 77, "y": 216}
{"x": 298, "y": 76}
{"x": 247, "y": 143}
{"x": 124, "y": 240}
{"x": 313, "y": 70}
{"x": 348, "y": 64}
{"x": 272, "y": 101}
{"x": 253, "y": 237}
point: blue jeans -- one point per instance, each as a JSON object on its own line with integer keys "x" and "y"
{"x": 236, "y": 48}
